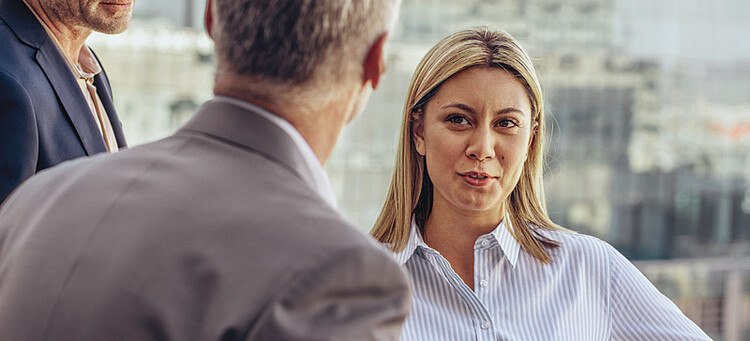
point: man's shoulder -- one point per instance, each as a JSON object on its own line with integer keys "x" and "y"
{"x": 16, "y": 58}
{"x": 236, "y": 192}
{"x": 8, "y": 37}
{"x": 268, "y": 217}
{"x": 6, "y": 32}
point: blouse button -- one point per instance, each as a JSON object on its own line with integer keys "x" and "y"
{"x": 483, "y": 283}
{"x": 485, "y": 243}
{"x": 485, "y": 324}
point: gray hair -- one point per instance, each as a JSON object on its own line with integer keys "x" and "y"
{"x": 296, "y": 42}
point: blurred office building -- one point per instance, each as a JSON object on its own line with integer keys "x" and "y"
{"x": 638, "y": 140}
{"x": 179, "y": 13}
{"x": 160, "y": 74}
{"x": 649, "y": 107}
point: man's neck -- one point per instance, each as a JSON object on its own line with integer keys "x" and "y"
{"x": 320, "y": 125}
{"x": 321, "y": 128}
{"x": 71, "y": 38}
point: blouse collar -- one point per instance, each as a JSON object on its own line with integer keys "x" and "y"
{"x": 501, "y": 235}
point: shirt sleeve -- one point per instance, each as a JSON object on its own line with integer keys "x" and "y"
{"x": 640, "y": 311}
{"x": 354, "y": 295}
{"x": 18, "y": 135}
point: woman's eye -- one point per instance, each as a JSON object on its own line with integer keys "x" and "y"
{"x": 457, "y": 119}
{"x": 507, "y": 123}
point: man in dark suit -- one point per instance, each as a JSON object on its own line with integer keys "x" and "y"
{"x": 55, "y": 100}
{"x": 226, "y": 230}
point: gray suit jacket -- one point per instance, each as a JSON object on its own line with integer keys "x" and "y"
{"x": 211, "y": 234}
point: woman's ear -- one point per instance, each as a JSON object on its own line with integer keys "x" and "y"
{"x": 534, "y": 131}
{"x": 417, "y": 131}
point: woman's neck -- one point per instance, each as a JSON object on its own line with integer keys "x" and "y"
{"x": 453, "y": 234}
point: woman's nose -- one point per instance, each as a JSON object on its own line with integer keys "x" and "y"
{"x": 482, "y": 145}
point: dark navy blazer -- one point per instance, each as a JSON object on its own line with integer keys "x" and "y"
{"x": 44, "y": 118}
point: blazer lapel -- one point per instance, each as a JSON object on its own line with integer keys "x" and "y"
{"x": 101, "y": 82}
{"x": 251, "y": 131}
{"x": 70, "y": 96}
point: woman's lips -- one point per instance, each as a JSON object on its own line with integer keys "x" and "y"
{"x": 476, "y": 179}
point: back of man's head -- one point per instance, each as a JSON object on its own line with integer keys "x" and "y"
{"x": 298, "y": 43}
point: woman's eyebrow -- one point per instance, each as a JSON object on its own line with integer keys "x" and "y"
{"x": 461, "y": 106}
{"x": 471, "y": 111}
{"x": 509, "y": 110}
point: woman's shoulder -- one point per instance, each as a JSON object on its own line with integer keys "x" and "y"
{"x": 572, "y": 239}
{"x": 577, "y": 245}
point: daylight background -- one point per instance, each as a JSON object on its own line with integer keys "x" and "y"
{"x": 650, "y": 102}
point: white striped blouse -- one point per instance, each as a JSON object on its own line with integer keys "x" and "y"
{"x": 589, "y": 292}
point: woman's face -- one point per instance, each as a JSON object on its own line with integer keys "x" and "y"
{"x": 475, "y": 134}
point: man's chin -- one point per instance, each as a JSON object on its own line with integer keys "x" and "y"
{"x": 112, "y": 28}
{"x": 108, "y": 23}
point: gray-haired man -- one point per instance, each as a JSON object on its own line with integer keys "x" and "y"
{"x": 228, "y": 229}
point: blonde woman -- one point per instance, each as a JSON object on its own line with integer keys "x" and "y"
{"x": 465, "y": 215}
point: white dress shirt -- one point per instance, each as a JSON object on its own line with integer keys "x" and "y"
{"x": 589, "y": 292}
{"x": 321, "y": 183}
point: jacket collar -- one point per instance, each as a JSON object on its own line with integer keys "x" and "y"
{"x": 249, "y": 130}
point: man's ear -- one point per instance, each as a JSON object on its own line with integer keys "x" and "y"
{"x": 375, "y": 60}
{"x": 208, "y": 19}
{"x": 417, "y": 132}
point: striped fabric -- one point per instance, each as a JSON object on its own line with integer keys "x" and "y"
{"x": 589, "y": 292}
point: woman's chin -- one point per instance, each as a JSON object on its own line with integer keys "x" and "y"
{"x": 480, "y": 207}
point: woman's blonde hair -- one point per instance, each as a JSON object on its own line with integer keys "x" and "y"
{"x": 410, "y": 191}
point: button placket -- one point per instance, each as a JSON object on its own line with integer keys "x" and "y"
{"x": 474, "y": 298}
{"x": 481, "y": 275}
